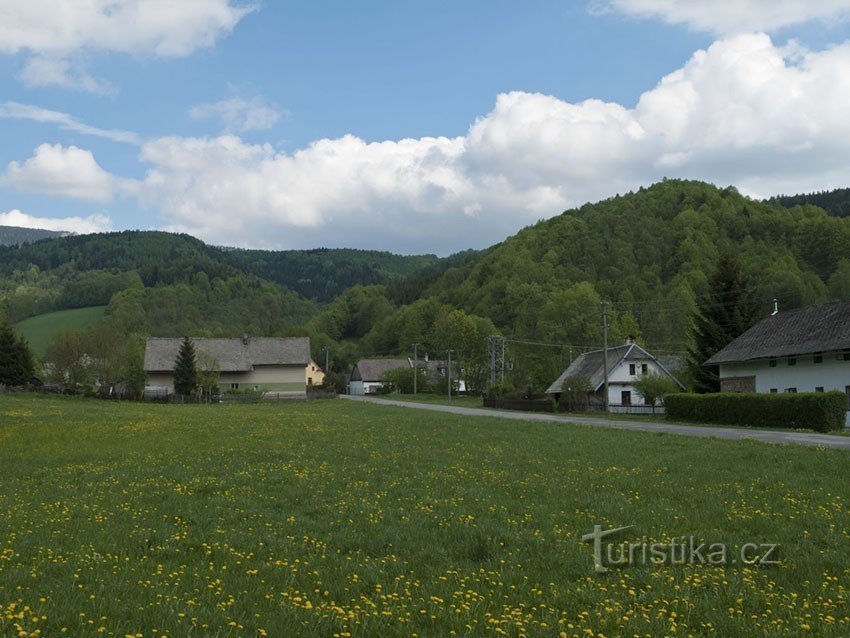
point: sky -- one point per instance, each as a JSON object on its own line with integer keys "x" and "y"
{"x": 405, "y": 126}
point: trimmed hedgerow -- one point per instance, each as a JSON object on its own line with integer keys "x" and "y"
{"x": 821, "y": 411}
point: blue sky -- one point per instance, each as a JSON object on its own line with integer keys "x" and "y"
{"x": 411, "y": 127}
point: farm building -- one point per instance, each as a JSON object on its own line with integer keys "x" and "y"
{"x": 274, "y": 364}
{"x": 803, "y": 350}
{"x": 626, "y": 364}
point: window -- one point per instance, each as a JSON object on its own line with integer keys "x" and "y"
{"x": 644, "y": 368}
{"x": 845, "y": 356}
{"x": 819, "y": 388}
{"x": 626, "y": 397}
{"x": 234, "y": 386}
{"x": 632, "y": 369}
{"x": 774, "y": 391}
{"x": 773, "y": 363}
{"x": 791, "y": 390}
{"x": 309, "y": 380}
{"x": 792, "y": 361}
{"x": 819, "y": 357}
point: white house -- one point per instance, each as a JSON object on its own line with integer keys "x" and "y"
{"x": 366, "y": 375}
{"x": 804, "y": 350}
{"x": 626, "y": 364}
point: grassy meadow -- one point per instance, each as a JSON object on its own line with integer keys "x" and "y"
{"x": 39, "y": 330}
{"x": 335, "y": 518}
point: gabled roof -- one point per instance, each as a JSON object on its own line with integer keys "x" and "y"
{"x": 372, "y": 369}
{"x": 231, "y": 355}
{"x": 824, "y": 328}
{"x": 590, "y": 366}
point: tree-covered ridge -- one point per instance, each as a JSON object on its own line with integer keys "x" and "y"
{"x": 14, "y": 235}
{"x": 325, "y": 273}
{"x": 835, "y": 201}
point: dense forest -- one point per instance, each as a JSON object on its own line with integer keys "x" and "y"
{"x": 648, "y": 255}
{"x": 836, "y": 202}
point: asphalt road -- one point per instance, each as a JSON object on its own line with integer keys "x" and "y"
{"x": 736, "y": 434}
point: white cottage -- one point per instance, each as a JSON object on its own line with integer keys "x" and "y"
{"x": 626, "y": 364}
{"x": 803, "y": 350}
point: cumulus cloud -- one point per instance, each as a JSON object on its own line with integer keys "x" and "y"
{"x": 79, "y": 225}
{"x": 17, "y": 111}
{"x": 730, "y": 16}
{"x": 746, "y": 112}
{"x": 55, "y": 34}
{"x": 64, "y": 172}
{"x": 238, "y": 114}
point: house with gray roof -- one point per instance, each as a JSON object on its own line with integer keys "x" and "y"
{"x": 626, "y": 364}
{"x": 274, "y": 364}
{"x": 366, "y": 375}
{"x": 802, "y": 350}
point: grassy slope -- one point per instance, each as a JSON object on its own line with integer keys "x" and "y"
{"x": 319, "y": 518}
{"x": 39, "y": 330}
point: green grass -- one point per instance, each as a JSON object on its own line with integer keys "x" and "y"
{"x": 341, "y": 518}
{"x": 39, "y": 330}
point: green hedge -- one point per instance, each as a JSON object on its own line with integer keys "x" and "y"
{"x": 821, "y": 411}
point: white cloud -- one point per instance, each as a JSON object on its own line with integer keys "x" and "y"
{"x": 238, "y": 114}
{"x": 64, "y": 172}
{"x": 79, "y": 225}
{"x": 55, "y": 34}
{"x": 730, "y": 16}
{"x": 768, "y": 119}
{"x": 17, "y": 111}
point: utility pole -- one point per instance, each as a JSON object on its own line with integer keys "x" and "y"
{"x": 327, "y": 358}
{"x": 449, "y": 371}
{"x": 415, "y": 366}
{"x": 605, "y": 352}
{"x": 502, "y": 365}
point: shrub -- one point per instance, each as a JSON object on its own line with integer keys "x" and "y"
{"x": 822, "y": 411}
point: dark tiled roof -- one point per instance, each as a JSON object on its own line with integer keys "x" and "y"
{"x": 824, "y": 328}
{"x": 590, "y": 366}
{"x": 372, "y": 369}
{"x": 231, "y": 355}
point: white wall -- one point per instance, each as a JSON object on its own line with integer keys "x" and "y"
{"x": 832, "y": 375}
{"x": 619, "y": 380}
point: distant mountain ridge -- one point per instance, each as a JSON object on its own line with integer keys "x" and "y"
{"x": 15, "y": 235}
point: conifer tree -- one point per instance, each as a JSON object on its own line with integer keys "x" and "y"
{"x": 186, "y": 369}
{"x": 725, "y": 314}
{"x": 16, "y": 360}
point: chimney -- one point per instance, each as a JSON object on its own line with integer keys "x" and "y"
{"x": 775, "y": 307}
{"x": 245, "y": 339}
{"x": 630, "y": 340}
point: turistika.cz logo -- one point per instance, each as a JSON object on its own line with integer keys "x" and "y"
{"x": 683, "y": 550}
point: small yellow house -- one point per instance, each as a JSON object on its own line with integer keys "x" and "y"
{"x": 274, "y": 364}
{"x": 315, "y": 375}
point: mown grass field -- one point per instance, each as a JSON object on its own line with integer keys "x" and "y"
{"x": 39, "y": 330}
{"x": 337, "y": 518}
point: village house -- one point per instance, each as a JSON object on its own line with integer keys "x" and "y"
{"x": 803, "y": 350}
{"x": 366, "y": 374}
{"x": 626, "y": 364}
{"x": 315, "y": 374}
{"x": 273, "y": 364}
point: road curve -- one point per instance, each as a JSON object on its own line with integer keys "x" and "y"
{"x": 812, "y": 439}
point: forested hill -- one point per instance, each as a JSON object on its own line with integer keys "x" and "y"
{"x": 324, "y": 273}
{"x": 649, "y": 254}
{"x": 836, "y": 201}
{"x": 14, "y": 235}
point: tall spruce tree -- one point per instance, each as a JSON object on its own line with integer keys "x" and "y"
{"x": 16, "y": 360}
{"x": 186, "y": 369}
{"x": 725, "y": 314}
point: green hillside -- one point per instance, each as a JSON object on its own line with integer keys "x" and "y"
{"x": 835, "y": 201}
{"x": 39, "y": 330}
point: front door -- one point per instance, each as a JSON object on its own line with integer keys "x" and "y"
{"x": 626, "y": 397}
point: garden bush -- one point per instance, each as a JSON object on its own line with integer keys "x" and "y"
{"x": 821, "y": 411}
